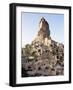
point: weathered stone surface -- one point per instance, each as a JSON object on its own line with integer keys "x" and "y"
{"x": 45, "y": 56}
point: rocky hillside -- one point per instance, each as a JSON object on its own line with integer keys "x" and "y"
{"x": 44, "y": 57}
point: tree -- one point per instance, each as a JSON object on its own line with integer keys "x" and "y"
{"x": 28, "y": 49}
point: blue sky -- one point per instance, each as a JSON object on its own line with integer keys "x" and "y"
{"x": 30, "y": 26}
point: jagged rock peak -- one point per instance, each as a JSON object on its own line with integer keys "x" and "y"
{"x": 43, "y": 20}
{"x": 43, "y": 36}
{"x": 43, "y": 28}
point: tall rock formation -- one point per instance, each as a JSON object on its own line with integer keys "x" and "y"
{"x": 43, "y": 36}
{"x": 44, "y": 57}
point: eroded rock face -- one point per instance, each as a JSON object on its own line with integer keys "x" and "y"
{"x": 43, "y": 36}
{"x": 46, "y": 55}
{"x": 44, "y": 29}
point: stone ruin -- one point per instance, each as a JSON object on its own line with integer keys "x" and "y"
{"x": 49, "y": 55}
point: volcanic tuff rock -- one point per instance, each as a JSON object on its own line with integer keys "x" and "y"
{"x": 44, "y": 57}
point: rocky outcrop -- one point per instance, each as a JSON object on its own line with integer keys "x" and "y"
{"x": 45, "y": 56}
{"x": 43, "y": 36}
